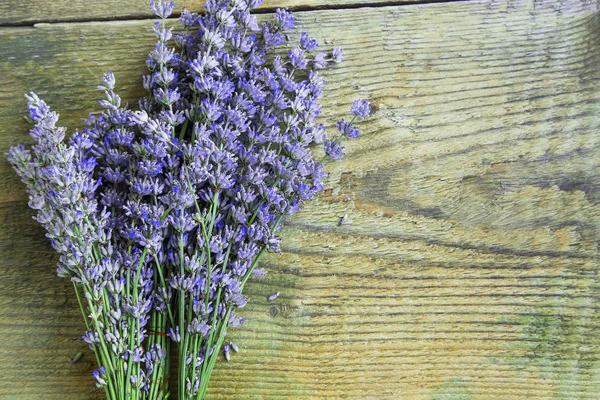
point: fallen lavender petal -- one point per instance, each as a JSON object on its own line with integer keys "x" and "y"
{"x": 273, "y": 296}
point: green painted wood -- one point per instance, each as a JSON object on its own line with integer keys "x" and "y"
{"x": 468, "y": 267}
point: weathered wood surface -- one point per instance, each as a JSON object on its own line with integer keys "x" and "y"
{"x": 19, "y": 12}
{"x": 468, "y": 268}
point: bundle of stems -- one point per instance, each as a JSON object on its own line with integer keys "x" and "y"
{"x": 160, "y": 215}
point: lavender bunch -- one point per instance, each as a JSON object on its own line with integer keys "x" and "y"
{"x": 130, "y": 165}
{"x": 64, "y": 188}
{"x": 244, "y": 119}
{"x": 161, "y": 215}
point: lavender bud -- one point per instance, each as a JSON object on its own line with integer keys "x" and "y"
{"x": 36, "y": 202}
{"x": 336, "y": 55}
{"x": 76, "y": 358}
{"x": 284, "y": 19}
{"x": 226, "y": 352}
{"x": 108, "y": 82}
{"x": 320, "y": 62}
{"x": 259, "y": 273}
{"x": 174, "y": 335}
{"x": 333, "y": 149}
{"x": 162, "y": 9}
{"x": 99, "y": 374}
{"x": 140, "y": 117}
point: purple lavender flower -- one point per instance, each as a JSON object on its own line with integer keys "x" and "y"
{"x": 162, "y": 9}
{"x": 336, "y": 55}
{"x": 306, "y": 43}
{"x": 333, "y": 149}
{"x": 320, "y": 60}
{"x": 347, "y": 129}
{"x": 360, "y": 108}
{"x": 297, "y": 59}
{"x": 284, "y": 19}
{"x": 99, "y": 375}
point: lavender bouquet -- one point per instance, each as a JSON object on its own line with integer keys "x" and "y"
{"x": 160, "y": 215}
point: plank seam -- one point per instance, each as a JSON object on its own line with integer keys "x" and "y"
{"x": 265, "y": 10}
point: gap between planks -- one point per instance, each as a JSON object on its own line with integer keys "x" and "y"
{"x": 261, "y": 10}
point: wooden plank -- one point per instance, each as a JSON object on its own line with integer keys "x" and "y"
{"x": 468, "y": 268}
{"x": 18, "y": 12}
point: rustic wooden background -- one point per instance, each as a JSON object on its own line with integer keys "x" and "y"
{"x": 468, "y": 268}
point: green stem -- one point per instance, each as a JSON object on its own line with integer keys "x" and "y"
{"x": 109, "y": 393}
{"x": 204, "y": 379}
{"x": 182, "y": 326}
{"x": 133, "y": 325}
{"x": 257, "y": 258}
{"x": 87, "y": 326}
{"x": 163, "y": 284}
{"x": 209, "y": 363}
{"x": 102, "y": 355}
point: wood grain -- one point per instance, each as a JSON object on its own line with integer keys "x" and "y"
{"x": 19, "y": 12}
{"x": 468, "y": 267}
